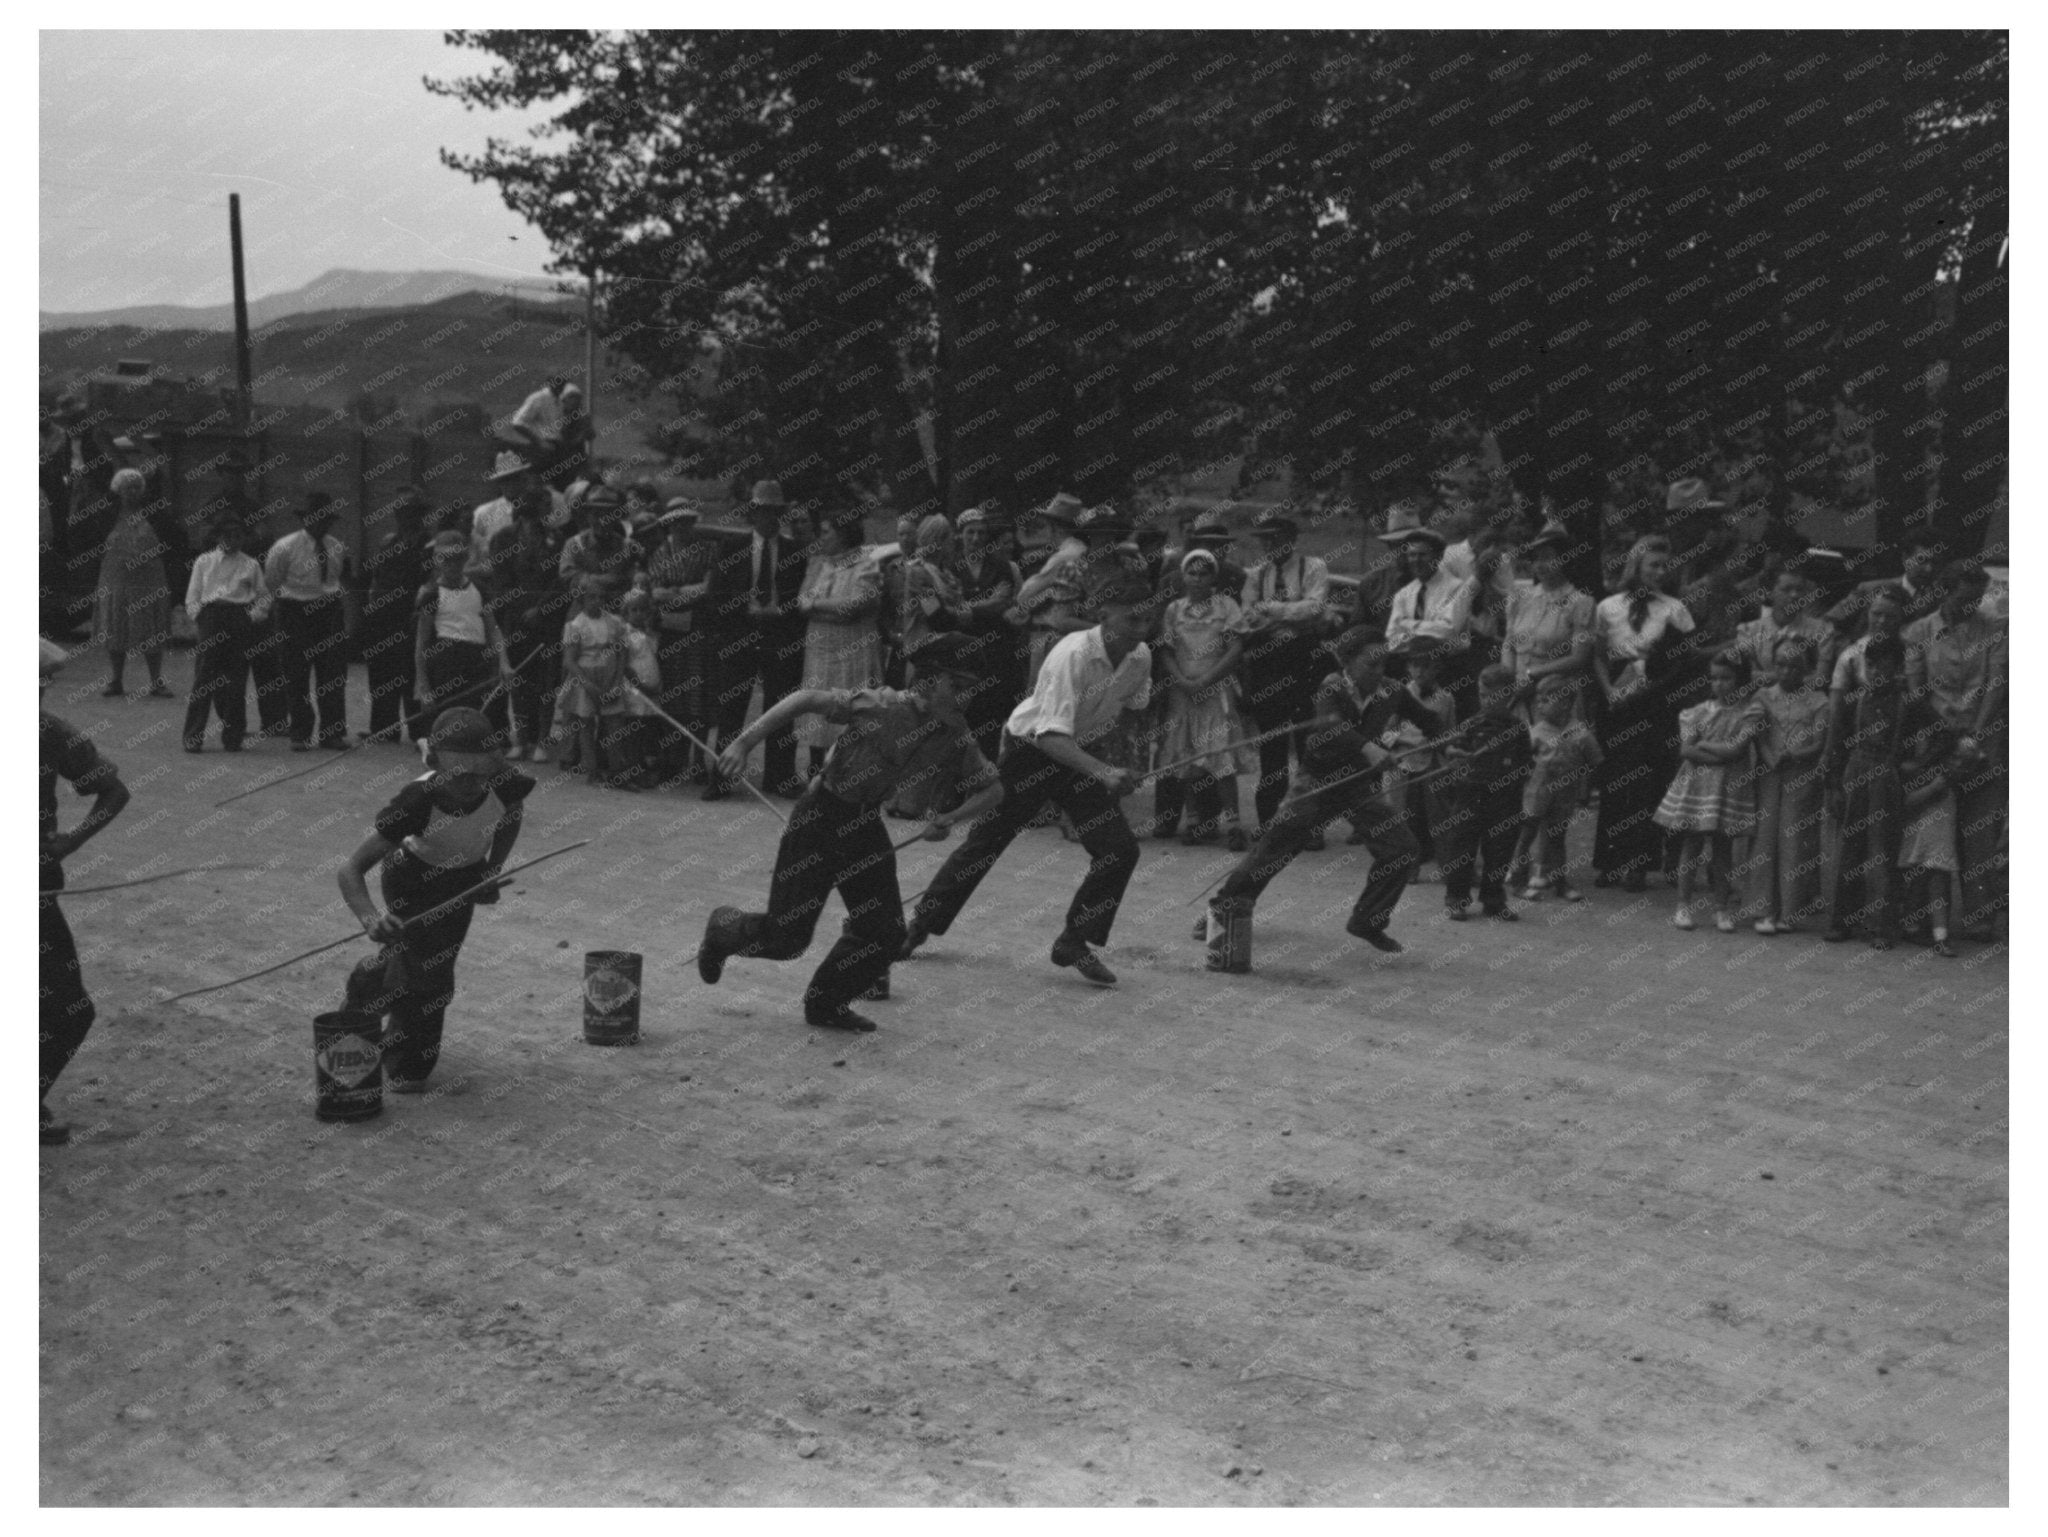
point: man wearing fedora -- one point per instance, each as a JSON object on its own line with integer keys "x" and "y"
{"x": 1049, "y": 602}
{"x": 1438, "y": 604}
{"x": 756, "y": 635}
{"x": 1286, "y": 605}
{"x": 307, "y": 574}
{"x": 514, "y": 479}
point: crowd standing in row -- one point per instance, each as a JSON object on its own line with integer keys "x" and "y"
{"x": 1801, "y": 767}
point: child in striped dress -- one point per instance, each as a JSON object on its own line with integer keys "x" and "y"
{"x": 1712, "y": 799}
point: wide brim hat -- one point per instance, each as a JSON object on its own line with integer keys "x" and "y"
{"x": 1063, "y": 509}
{"x": 1105, "y": 520}
{"x": 1425, "y": 534}
{"x": 1690, "y": 495}
{"x": 509, "y": 466}
{"x": 67, "y": 408}
{"x": 449, "y": 542}
{"x": 1552, "y": 535}
{"x": 1273, "y": 526}
{"x": 973, "y": 517}
{"x": 602, "y": 498}
{"x": 680, "y": 509}
{"x": 767, "y": 493}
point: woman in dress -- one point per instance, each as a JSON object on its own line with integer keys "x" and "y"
{"x": 1202, "y": 640}
{"x": 1550, "y": 623}
{"x": 842, "y": 648}
{"x": 1637, "y": 627}
{"x": 132, "y": 608}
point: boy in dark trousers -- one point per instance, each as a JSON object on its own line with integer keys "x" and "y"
{"x": 449, "y": 829}
{"x": 1490, "y": 758}
{"x": 226, "y": 599}
{"x": 1880, "y": 737}
{"x": 64, "y": 1009}
{"x": 1357, "y": 712}
{"x": 836, "y": 839}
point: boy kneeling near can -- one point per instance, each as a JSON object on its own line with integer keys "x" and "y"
{"x": 448, "y": 830}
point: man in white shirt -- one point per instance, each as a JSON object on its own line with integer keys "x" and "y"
{"x": 225, "y": 599}
{"x": 1286, "y": 606}
{"x": 541, "y": 412}
{"x": 1089, "y": 680}
{"x": 1438, "y": 605}
{"x": 304, "y": 573}
{"x": 516, "y": 479}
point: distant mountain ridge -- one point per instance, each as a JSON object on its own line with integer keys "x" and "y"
{"x": 343, "y": 288}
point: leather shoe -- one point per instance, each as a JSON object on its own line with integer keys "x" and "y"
{"x": 1072, "y": 952}
{"x": 711, "y": 953}
{"x": 838, "y": 1017}
{"x": 915, "y": 935}
{"x": 1379, "y": 939}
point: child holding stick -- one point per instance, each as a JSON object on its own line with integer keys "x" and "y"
{"x": 449, "y": 829}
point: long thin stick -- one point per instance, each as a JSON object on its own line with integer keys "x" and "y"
{"x": 1253, "y": 741}
{"x": 440, "y": 907}
{"x": 1418, "y": 779}
{"x": 699, "y": 744}
{"x": 411, "y": 720}
{"x": 144, "y": 880}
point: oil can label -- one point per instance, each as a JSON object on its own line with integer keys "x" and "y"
{"x": 609, "y": 991}
{"x": 348, "y": 1060}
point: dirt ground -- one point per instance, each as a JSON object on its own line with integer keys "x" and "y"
{"x": 1578, "y": 1211}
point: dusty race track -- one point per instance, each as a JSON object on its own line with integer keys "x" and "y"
{"x": 1581, "y": 1210}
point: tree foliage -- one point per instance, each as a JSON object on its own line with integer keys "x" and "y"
{"x": 941, "y": 268}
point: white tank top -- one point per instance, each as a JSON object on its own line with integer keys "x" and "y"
{"x": 459, "y": 614}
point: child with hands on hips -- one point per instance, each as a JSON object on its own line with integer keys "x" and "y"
{"x": 445, "y": 832}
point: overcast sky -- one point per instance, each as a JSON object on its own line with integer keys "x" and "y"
{"x": 329, "y": 137}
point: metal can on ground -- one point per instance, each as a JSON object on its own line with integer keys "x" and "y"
{"x": 611, "y": 997}
{"x": 348, "y": 1066}
{"x": 1230, "y": 937}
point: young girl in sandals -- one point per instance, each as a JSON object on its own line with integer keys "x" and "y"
{"x": 1712, "y": 799}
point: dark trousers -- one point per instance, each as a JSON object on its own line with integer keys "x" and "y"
{"x": 266, "y": 670}
{"x": 387, "y": 652}
{"x": 315, "y": 643}
{"x": 775, "y": 659}
{"x": 461, "y": 672}
{"x": 1868, "y": 886}
{"x": 680, "y": 655}
{"x": 220, "y": 674}
{"x": 1280, "y": 679}
{"x": 830, "y": 845}
{"x": 1475, "y": 839}
{"x": 1032, "y": 781}
{"x": 1639, "y": 742}
{"x": 64, "y": 1012}
{"x": 1386, "y": 839}
{"x": 1981, "y": 846}
{"x": 412, "y": 1032}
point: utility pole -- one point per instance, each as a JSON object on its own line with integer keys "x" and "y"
{"x": 590, "y": 350}
{"x": 242, "y": 403}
